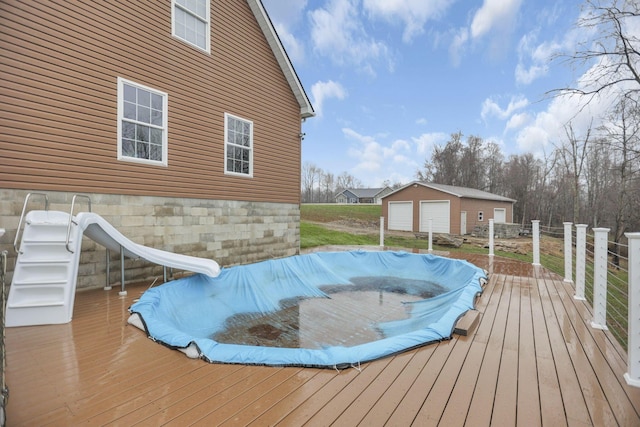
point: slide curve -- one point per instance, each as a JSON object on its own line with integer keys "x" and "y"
{"x": 102, "y": 232}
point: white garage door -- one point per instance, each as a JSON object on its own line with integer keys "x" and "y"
{"x": 438, "y": 211}
{"x": 401, "y": 216}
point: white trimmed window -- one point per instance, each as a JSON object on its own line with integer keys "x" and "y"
{"x": 142, "y": 123}
{"x": 238, "y": 146}
{"x": 190, "y": 21}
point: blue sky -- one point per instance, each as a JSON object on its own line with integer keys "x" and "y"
{"x": 389, "y": 79}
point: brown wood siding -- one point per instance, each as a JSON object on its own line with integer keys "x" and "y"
{"x": 473, "y": 206}
{"x": 58, "y": 100}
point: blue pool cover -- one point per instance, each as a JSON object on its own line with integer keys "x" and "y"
{"x": 190, "y": 313}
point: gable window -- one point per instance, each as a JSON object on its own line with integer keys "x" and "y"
{"x": 238, "y": 145}
{"x": 142, "y": 123}
{"x": 191, "y": 22}
{"x": 480, "y": 216}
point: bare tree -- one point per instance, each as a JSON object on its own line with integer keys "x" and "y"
{"x": 614, "y": 55}
{"x": 345, "y": 180}
{"x": 444, "y": 167}
{"x": 327, "y": 185}
{"x": 623, "y": 134}
{"x": 493, "y": 165}
{"x": 573, "y": 154}
{"x": 310, "y": 177}
{"x": 471, "y": 164}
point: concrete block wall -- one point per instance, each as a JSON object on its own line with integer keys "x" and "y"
{"x": 230, "y": 232}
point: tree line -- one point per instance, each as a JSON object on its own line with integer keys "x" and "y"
{"x": 592, "y": 177}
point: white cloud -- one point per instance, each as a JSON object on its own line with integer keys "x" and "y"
{"x": 294, "y": 48}
{"x": 421, "y": 121}
{"x": 490, "y": 108}
{"x": 494, "y": 14}
{"x": 425, "y": 142}
{"x": 495, "y": 18}
{"x": 371, "y": 156}
{"x": 412, "y": 13}
{"x": 547, "y": 128}
{"x": 322, "y": 91}
{"x": 517, "y": 121}
{"x": 286, "y": 16}
{"x": 338, "y": 33}
{"x": 458, "y": 46}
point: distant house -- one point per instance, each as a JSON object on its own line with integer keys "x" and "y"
{"x": 181, "y": 120}
{"x": 453, "y": 210}
{"x": 362, "y": 195}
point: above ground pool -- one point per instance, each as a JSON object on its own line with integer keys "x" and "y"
{"x": 326, "y": 309}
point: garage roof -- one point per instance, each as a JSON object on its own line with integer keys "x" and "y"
{"x": 462, "y": 192}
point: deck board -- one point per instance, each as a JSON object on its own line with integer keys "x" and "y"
{"x": 533, "y": 359}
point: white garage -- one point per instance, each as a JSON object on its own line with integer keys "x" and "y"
{"x": 400, "y": 216}
{"x": 439, "y": 212}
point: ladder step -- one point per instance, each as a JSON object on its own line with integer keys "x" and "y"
{"x": 37, "y": 295}
{"x": 36, "y": 304}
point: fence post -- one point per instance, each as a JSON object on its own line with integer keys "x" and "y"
{"x": 491, "y": 237}
{"x": 633, "y": 353}
{"x": 600, "y": 278}
{"x": 581, "y": 258}
{"x": 430, "y": 235}
{"x": 568, "y": 253}
{"x": 535, "y": 224}
{"x": 381, "y": 231}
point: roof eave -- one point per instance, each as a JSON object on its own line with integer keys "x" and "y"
{"x": 306, "y": 109}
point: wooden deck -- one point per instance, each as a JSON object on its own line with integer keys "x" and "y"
{"x": 532, "y": 360}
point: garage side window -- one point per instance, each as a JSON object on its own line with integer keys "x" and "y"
{"x": 142, "y": 123}
{"x": 480, "y": 216}
{"x": 238, "y": 146}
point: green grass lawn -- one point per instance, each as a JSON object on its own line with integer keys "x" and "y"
{"x": 328, "y": 213}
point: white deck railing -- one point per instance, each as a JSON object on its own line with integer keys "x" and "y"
{"x": 594, "y": 280}
{"x": 594, "y": 275}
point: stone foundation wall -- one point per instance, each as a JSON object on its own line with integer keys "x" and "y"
{"x": 500, "y": 231}
{"x": 230, "y": 232}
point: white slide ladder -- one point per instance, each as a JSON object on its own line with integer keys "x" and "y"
{"x": 44, "y": 280}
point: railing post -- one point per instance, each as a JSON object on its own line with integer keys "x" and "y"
{"x": 430, "y": 235}
{"x": 600, "y": 278}
{"x": 381, "y": 231}
{"x": 568, "y": 253}
{"x": 535, "y": 230}
{"x": 632, "y": 376}
{"x": 491, "y": 237}
{"x": 581, "y": 258}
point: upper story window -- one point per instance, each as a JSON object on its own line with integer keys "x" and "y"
{"x": 238, "y": 146}
{"x": 142, "y": 123}
{"x": 191, "y": 22}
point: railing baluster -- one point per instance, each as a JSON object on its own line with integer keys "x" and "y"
{"x": 568, "y": 253}
{"x": 491, "y": 237}
{"x": 600, "y": 278}
{"x": 632, "y": 376}
{"x": 535, "y": 225}
{"x": 581, "y": 259}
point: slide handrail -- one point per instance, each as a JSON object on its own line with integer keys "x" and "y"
{"x": 73, "y": 202}
{"x": 24, "y": 208}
